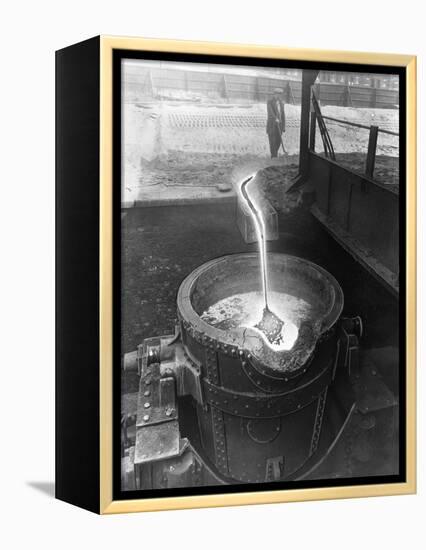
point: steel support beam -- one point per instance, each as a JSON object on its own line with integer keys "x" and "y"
{"x": 308, "y": 79}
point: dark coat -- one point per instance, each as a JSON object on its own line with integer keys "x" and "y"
{"x": 273, "y": 115}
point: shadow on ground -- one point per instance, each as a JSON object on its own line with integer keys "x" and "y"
{"x": 46, "y": 487}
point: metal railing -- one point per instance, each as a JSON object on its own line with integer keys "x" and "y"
{"x": 346, "y": 122}
{"x": 374, "y": 131}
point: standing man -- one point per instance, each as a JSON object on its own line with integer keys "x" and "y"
{"x": 275, "y": 125}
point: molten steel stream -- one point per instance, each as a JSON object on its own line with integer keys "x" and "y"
{"x": 270, "y": 325}
{"x": 260, "y": 230}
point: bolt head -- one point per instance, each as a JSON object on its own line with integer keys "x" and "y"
{"x": 147, "y": 405}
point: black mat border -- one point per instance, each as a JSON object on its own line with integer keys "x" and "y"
{"x": 118, "y": 56}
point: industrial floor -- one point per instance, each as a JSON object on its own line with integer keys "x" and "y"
{"x": 168, "y": 143}
{"x": 162, "y": 245}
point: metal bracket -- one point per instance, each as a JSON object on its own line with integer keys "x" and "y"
{"x": 351, "y": 332}
{"x": 166, "y": 373}
{"x": 157, "y": 426}
{"x": 275, "y": 468}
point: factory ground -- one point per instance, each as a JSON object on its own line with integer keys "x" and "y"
{"x": 175, "y": 150}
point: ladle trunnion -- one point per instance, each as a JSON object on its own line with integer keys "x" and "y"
{"x": 221, "y": 406}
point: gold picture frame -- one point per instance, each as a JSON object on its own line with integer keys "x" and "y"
{"x": 107, "y": 505}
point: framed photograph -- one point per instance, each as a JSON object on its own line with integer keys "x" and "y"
{"x": 235, "y": 274}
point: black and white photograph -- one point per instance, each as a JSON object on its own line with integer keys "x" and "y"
{"x": 262, "y": 329}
